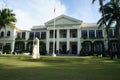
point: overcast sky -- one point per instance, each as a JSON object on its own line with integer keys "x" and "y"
{"x": 36, "y": 12}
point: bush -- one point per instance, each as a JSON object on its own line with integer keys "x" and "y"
{"x": 19, "y": 43}
{"x": 86, "y": 53}
{"x": 7, "y": 49}
{"x": 100, "y": 42}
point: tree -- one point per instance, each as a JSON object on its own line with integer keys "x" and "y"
{"x": 102, "y": 22}
{"x": 7, "y": 19}
{"x": 111, "y": 17}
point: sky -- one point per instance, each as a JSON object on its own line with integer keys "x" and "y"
{"x": 36, "y": 12}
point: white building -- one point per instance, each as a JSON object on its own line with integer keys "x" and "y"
{"x": 71, "y": 37}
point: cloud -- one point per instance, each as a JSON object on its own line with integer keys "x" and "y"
{"x": 34, "y": 12}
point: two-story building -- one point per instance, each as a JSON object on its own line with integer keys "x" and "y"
{"x": 71, "y": 37}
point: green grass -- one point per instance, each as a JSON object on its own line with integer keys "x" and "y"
{"x": 20, "y": 67}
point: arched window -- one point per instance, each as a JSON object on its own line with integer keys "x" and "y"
{"x": 87, "y": 47}
{"x": 98, "y": 47}
{"x": 2, "y": 34}
{"x": 8, "y": 33}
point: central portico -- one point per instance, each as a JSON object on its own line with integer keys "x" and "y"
{"x": 67, "y": 35}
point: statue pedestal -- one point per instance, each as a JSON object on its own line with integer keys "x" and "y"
{"x": 36, "y": 53}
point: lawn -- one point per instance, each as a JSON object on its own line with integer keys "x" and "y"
{"x": 21, "y": 67}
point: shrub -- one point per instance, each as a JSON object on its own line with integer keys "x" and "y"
{"x": 7, "y": 49}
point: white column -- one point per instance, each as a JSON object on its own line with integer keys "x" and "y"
{"x": 13, "y": 40}
{"x": 57, "y": 40}
{"x": 25, "y": 44}
{"x": 47, "y": 41}
{"x": 88, "y": 34}
{"x": 78, "y": 41}
{"x": 95, "y": 33}
{"x": 68, "y": 39}
{"x": 40, "y": 35}
{"x": 27, "y": 35}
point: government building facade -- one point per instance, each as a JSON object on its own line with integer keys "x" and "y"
{"x": 72, "y": 37}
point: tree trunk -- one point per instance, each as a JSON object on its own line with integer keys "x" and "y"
{"x": 118, "y": 45}
{"x": 108, "y": 44}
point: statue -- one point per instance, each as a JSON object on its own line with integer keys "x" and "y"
{"x": 36, "y": 53}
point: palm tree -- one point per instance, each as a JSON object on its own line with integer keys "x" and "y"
{"x": 102, "y": 22}
{"x": 7, "y": 19}
{"x": 112, "y": 17}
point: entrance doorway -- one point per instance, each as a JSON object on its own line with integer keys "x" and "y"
{"x": 64, "y": 49}
{"x": 74, "y": 49}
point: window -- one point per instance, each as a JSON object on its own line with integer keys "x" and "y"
{"x": 64, "y": 35}
{"x": 114, "y": 32}
{"x": 91, "y": 33}
{"x": 18, "y": 35}
{"x": 31, "y": 35}
{"x": 51, "y": 34}
{"x": 23, "y": 35}
{"x": 43, "y": 35}
{"x": 110, "y": 33}
{"x": 37, "y": 34}
{"x": 114, "y": 47}
{"x": 74, "y": 35}
{"x": 2, "y": 34}
{"x": 99, "y": 34}
{"x": 84, "y": 34}
{"x": 8, "y": 33}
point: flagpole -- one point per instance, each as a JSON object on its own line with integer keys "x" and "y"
{"x": 53, "y": 54}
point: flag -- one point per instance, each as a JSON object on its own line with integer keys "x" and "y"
{"x": 54, "y": 10}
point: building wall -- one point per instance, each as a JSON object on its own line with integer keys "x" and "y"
{"x": 8, "y": 39}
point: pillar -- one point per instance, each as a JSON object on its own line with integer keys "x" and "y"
{"x": 78, "y": 42}
{"x": 57, "y": 44}
{"x": 47, "y": 41}
{"x": 68, "y": 39}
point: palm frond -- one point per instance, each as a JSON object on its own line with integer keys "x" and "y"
{"x": 93, "y": 1}
{"x": 7, "y": 18}
{"x": 11, "y": 25}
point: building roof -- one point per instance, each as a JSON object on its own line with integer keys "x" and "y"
{"x": 63, "y": 20}
{"x": 41, "y": 27}
{"x": 88, "y": 25}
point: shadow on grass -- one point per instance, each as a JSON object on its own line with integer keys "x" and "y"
{"x": 83, "y": 72}
{"x": 21, "y": 67}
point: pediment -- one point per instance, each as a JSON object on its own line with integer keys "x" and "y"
{"x": 63, "y": 20}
